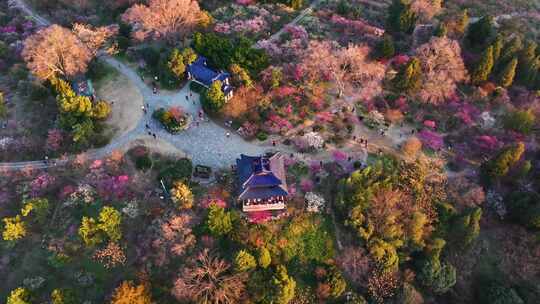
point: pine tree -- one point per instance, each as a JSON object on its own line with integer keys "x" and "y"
{"x": 264, "y": 258}
{"x": 244, "y": 261}
{"x": 484, "y": 67}
{"x": 526, "y": 57}
{"x": 510, "y": 50}
{"x": 409, "y": 77}
{"x": 176, "y": 64}
{"x": 441, "y": 30}
{"x": 463, "y": 22}
{"x": 497, "y": 48}
{"x": 468, "y": 227}
{"x": 401, "y": 17}
{"x": 219, "y": 221}
{"x": 214, "y": 98}
{"x": 508, "y": 73}
{"x": 532, "y": 76}
{"x": 284, "y": 286}
{"x": 480, "y": 31}
{"x": 386, "y": 47}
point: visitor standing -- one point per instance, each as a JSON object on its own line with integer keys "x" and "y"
{"x": 228, "y": 134}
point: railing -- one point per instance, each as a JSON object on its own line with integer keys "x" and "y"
{"x": 263, "y": 207}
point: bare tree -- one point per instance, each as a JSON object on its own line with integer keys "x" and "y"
{"x": 54, "y": 51}
{"x": 208, "y": 280}
{"x": 163, "y": 19}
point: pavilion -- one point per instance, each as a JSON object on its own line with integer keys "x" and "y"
{"x": 261, "y": 182}
{"x": 199, "y": 72}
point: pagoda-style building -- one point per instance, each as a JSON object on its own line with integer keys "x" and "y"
{"x": 261, "y": 182}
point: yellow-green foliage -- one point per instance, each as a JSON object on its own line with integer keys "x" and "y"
{"x": 284, "y": 286}
{"x": 307, "y": 238}
{"x": 18, "y": 296}
{"x": 182, "y": 195}
{"x": 38, "y": 207}
{"x": 101, "y": 110}
{"x": 108, "y": 225}
{"x": 384, "y": 253}
{"x": 264, "y": 258}
{"x": 77, "y": 105}
{"x": 14, "y": 228}
{"x": 109, "y": 222}
{"x": 244, "y": 261}
{"x": 89, "y": 231}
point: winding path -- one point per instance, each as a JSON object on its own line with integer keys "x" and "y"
{"x": 207, "y": 143}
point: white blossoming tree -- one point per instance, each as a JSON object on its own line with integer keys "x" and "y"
{"x": 315, "y": 202}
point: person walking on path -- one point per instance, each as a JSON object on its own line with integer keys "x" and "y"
{"x": 228, "y": 134}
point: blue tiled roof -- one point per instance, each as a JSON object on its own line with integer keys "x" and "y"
{"x": 202, "y": 73}
{"x": 256, "y": 179}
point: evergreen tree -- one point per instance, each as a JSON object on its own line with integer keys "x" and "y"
{"x": 219, "y": 221}
{"x": 19, "y": 296}
{"x": 497, "y": 48}
{"x": 189, "y": 55}
{"x": 438, "y": 277}
{"x": 500, "y": 165}
{"x": 468, "y": 227}
{"x": 176, "y": 64}
{"x": 480, "y": 31}
{"x": 284, "y": 286}
{"x": 508, "y": 73}
{"x": 510, "y": 50}
{"x": 532, "y": 76}
{"x": 386, "y": 47}
{"x": 409, "y": 77}
{"x": 521, "y": 121}
{"x": 526, "y": 57}
{"x": 401, "y": 17}
{"x": 244, "y": 261}
{"x": 264, "y": 258}
{"x": 3, "y": 107}
{"x": 485, "y": 66}
{"x": 463, "y": 22}
{"x": 441, "y": 30}
{"x": 214, "y": 98}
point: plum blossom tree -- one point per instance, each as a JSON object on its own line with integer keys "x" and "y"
{"x": 96, "y": 38}
{"x": 326, "y": 60}
{"x": 426, "y": 9}
{"x": 163, "y": 19}
{"x": 443, "y": 69}
{"x": 55, "y": 51}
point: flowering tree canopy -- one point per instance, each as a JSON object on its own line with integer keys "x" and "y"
{"x": 163, "y": 19}
{"x": 442, "y": 68}
{"x": 55, "y": 51}
{"x": 324, "y": 60}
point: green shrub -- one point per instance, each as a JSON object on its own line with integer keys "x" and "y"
{"x": 262, "y": 136}
{"x": 524, "y": 208}
{"x": 38, "y": 92}
{"x": 520, "y": 121}
{"x": 181, "y": 169}
{"x": 496, "y": 293}
{"x": 143, "y": 162}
